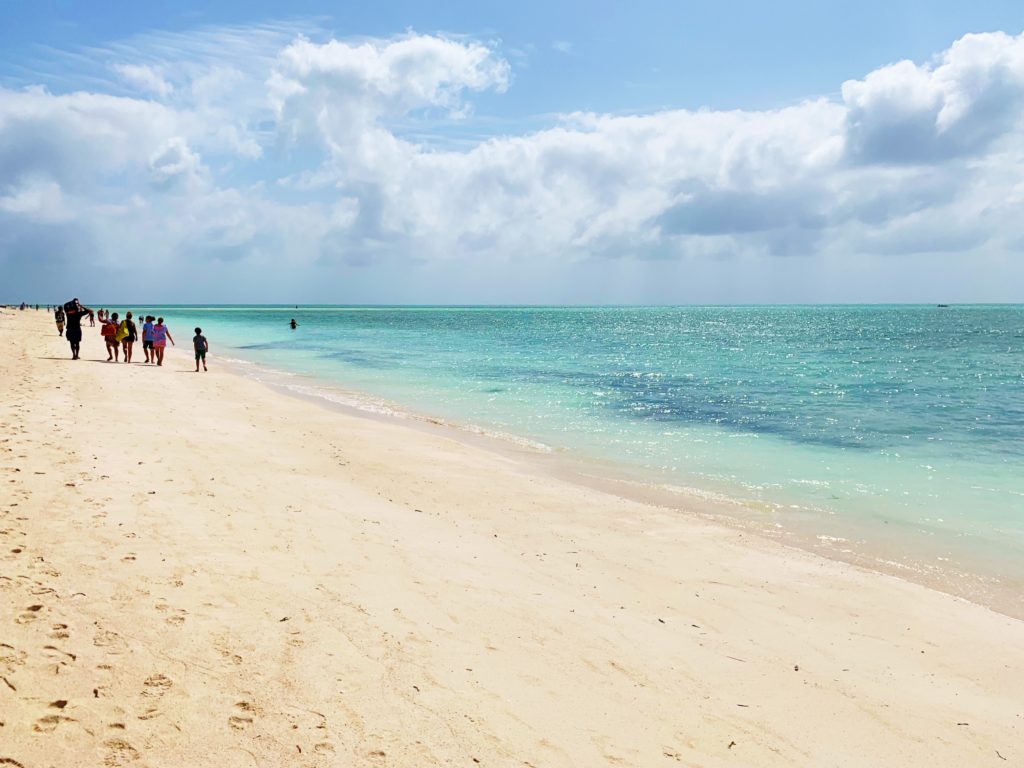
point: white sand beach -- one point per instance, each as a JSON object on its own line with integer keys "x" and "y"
{"x": 196, "y": 570}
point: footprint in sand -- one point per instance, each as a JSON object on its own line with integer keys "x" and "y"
{"x": 175, "y": 616}
{"x": 11, "y": 658}
{"x": 50, "y": 723}
{"x": 111, "y": 641}
{"x": 56, "y": 654}
{"x": 227, "y": 655}
{"x": 243, "y": 716}
{"x": 30, "y": 614}
{"x": 119, "y": 752}
{"x": 38, "y": 590}
{"x": 46, "y": 570}
{"x": 156, "y": 685}
{"x": 59, "y": 632}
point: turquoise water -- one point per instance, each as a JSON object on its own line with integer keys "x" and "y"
{"x": 854, "y": 417}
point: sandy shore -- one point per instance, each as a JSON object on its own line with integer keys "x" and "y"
{"x": 197, "y": 571}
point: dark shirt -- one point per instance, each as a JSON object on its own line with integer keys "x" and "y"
{"x": 75, "y": 318}
{"x": 199, "y": 342}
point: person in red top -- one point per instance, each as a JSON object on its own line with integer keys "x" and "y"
{"x": 109, "y": 333}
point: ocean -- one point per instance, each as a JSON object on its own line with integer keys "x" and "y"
{"x": 889, "y": 435}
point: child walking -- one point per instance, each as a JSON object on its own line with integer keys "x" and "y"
{"x": 201, "y": 346}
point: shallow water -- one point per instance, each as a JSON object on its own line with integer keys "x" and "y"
{"x": 902, "y": 423}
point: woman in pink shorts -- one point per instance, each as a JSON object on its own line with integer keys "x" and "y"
{"x": 160, "y": 337}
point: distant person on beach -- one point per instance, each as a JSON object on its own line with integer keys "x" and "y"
{"x": 131, "y": 333}
{"x": 58, "y": 315}
{"x": 147, "y": 339}
{"x": 293, "y": 324}
{"x": 161, "y": 334}
{"x": 108, "y": 330}
{"x": 73, "y": 311}
{"x": 201, "y": 346}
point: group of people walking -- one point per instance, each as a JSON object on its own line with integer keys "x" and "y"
{"x": 120, "y": 335}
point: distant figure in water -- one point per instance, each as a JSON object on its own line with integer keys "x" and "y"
{"x": 293, "y": 324}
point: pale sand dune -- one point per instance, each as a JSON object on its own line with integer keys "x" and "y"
{"x": 197, "y": 571}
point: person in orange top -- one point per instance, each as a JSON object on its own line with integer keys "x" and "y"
{"x": 109, "y": 333}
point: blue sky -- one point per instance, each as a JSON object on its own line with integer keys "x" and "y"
{"x": 484, "y": 152}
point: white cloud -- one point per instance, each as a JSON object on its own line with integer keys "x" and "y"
{"x": 38, "y": 199}
{"x": 144, "y": 78}
{"x": 176, "y": 166}
{"x": 957, "y": 106}
{"x": 276, "y": 152}
{"x": 340, "y": 90}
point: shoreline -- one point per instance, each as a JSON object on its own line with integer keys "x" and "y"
{"x": 198, "y": 571}
{"x": 970, "y": 580}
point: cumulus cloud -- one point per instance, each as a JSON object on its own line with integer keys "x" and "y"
{"x": 176, "y": 166}
{"x": 339, "y": 90}
{"x": 144, "y": 78}
{"x": 309, "y": 157}
{"x": 959, "y": 105}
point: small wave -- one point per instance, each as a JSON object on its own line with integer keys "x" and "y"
{"x": 359, "y": 402}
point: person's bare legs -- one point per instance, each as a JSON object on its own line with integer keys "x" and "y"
{"x": 159, "y": 355}
{"x": 128, "y": 351}
{"x": 110, "y": 353}
{"x": 117, "y": 352}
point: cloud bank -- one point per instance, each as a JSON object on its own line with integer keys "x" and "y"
{"x": 248, "y": 164}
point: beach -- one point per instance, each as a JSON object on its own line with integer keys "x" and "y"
{"x": 196, "y": 569}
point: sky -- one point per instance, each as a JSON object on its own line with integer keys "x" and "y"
{"x": 536, "y": 152}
